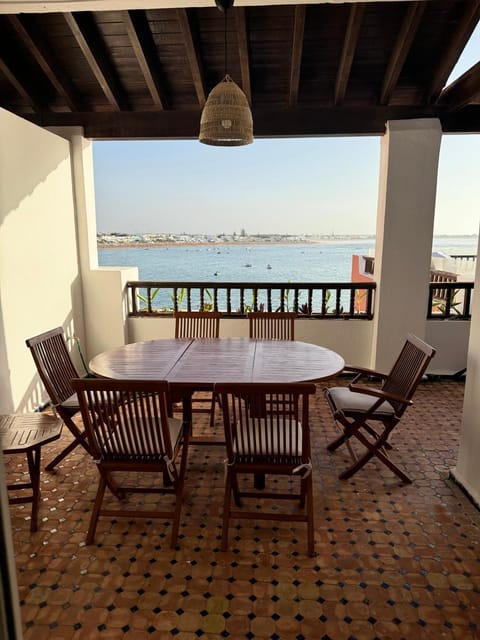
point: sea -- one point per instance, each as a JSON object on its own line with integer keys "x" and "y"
{"x": 329, "y": 261}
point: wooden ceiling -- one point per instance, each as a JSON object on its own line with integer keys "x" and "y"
{"x": 306, "y": 69}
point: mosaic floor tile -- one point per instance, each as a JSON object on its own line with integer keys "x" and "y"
{"x": 391, "y": 561}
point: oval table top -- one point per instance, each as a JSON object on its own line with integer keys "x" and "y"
{"x": 202, "y": 362}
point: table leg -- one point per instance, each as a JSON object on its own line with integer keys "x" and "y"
{"x": 33, "y": 458}
{"x": 187, "y": 410}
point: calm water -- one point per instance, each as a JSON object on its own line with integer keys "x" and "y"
{"x": 327, "y": 262}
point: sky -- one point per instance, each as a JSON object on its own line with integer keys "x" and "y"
{"x": 291, "y": 186}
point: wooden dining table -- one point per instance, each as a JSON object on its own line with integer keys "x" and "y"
{"x": 196, "y": 364}
{"x": 201, "y": 362}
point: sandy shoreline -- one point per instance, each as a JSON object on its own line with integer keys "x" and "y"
{"x": 153, "y": 245}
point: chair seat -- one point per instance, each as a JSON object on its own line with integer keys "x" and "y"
{"x": 251, "y": 439}
{"x": 351, "y": 402}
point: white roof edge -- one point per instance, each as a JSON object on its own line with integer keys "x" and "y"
{"x": 52, "y": 6}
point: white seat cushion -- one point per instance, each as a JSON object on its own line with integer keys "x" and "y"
{"x": 175, "y": 430}
{"x": 71, "y": 403}
{"x": 348, "y": 401}
{"x": 265, "y": 438}
{"x": 150, "y": 448}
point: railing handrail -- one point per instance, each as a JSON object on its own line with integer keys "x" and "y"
{"x": 464, "y": 256}
{"x": 326, "y": 299}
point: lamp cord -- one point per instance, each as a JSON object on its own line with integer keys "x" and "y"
{"x": 225, "y": 40}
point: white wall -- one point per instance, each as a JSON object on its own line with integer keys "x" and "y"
{"x": 450, "y": 339}
{"x": 106, "y": 317}
{"x": 39, "y": 278}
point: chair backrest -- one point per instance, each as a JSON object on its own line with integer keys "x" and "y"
{"x": 125, "y": 420}
{"x": 408, "y": 370}
{"x": 275, "y": 325}
{"x": 54, "y": 364}
{"x": 267, "y": 421}
{"x": 197, "y": 324}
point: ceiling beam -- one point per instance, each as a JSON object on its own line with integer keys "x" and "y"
{"x": 463, "y": 91}
{"x": 451, "y": 55}
{"x": 297, "y": 51}
{"x": 49, "y": 65}
{"x": 269, "y": 122}
{"x": 88, "y": 39}
{"x": 410, "y": 24}
{"x": 242, "y": 39}
{"x": 18, "y": 85}
{"x": 349, "y": 45}
{"x": 141, "y": 39}
{"x": 190, "y": 39}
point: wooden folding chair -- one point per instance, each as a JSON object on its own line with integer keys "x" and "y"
{"x": 56, "y": 370}
{"x": 267, "y": 432}
{"x": 199, "y": 324}
{"x": 358, "y": 409}
{"x": 275, "y": 325}
{"x": 129, "y": 430}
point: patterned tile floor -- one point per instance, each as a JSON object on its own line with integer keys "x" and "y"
{"x": 392, "y": 561}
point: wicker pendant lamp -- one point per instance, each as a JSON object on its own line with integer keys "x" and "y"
{"x": 226, "y": 117}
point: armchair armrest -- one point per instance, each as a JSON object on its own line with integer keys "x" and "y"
{"x": 362, "y": 372}
{"x": 378, "y": 393}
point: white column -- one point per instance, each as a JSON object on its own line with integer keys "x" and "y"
{"x": 105, "y": 312}
{"x": 406, "y": 207}
{"x": 467, "y": 471}
{"x": 103, "y": 287}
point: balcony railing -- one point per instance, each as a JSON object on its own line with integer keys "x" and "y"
{"x": 468, "y": 257}
{"x": 327, "y": 300}
{"x": 450, "y": 300}
{"x": 236, "y": 299}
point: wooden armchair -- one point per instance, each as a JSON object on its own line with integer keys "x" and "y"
{"x": 129, "y": 430}
{"x": 275, "y": 325}
{"x": 267, "y": 432}
{"x": 360, "y": 410}
{"x": 199, "y": 324}
{"x": 56, "y": 370}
